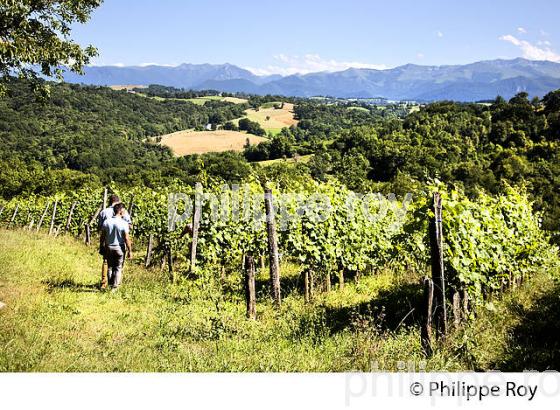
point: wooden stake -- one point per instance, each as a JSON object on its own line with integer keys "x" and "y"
{"x": 195, "y": 227}
{"x": 43, "y": 216}
{"x": 70, "y": 213}
{"x": 148, "y": 259}
{"x": 170, "y": 263}
{"x": 52, "y": 218}
{"x": 456, "y": 309}
{"x": 306, "y": 287}
{"x": 341, "y": 279}
{"x": 13, "y": 219}
{"x": 95, "y": 215}
{"x": 272, "y": 248}
{"x": 438, "y": 273}
{"x": 328, "y": 282}
{"x": 104, "y": 203}
{"x": 426, "y": 330}
{"x": 27, "y": 218}
{"x": 311, "y": 285}
{"x": 87, "y": 240}
{"x": 465, "y": 304}
{"x": 130, "y": 206}
{"x": 250, "y": 293}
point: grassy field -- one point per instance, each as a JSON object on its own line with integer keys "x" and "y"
{"x": 202, "y": 100}
{"x": 359, "y": 109}
{"x": 55, "y": 319}
{"x": 277, "y": 118}
{"x": 126, "y": 87}
{"x": 199, "y": 142}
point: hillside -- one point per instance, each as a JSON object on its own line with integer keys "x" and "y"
{"x": 55, "y": 319}
{"x": 470, "y": 82}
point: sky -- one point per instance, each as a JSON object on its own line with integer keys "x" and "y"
{"x": 301, "y": 36}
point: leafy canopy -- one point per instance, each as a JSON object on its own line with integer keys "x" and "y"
{"x": 35, "y": 38}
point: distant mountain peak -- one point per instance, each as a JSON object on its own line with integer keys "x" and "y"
{"x": 469, "y": 82}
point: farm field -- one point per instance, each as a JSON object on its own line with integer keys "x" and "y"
{"x": 202, "y": 100}
{"x": 55, "y": 319}
{"x": 199, "y": 142}
{"x": 126, "y": 87}
{"x": 277, "y": 118}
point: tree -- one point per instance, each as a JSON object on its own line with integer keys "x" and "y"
{"x": 251, "y": 127}
{"x": 35, "y": 39}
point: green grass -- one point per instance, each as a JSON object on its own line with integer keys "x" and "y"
{"x": 55, "y": 319}
{"x": 359, "y": 109}
{"x": 199, "y": 100}
{"x": 202, "y": 100}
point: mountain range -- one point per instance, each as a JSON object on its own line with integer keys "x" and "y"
{"x": 470, "y": 82}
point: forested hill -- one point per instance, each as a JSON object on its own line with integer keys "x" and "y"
{"x": 477, "y": 146}
{"x": 92, "y": 129}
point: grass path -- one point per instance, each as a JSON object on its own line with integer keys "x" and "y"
{"x": 55, "y": 319}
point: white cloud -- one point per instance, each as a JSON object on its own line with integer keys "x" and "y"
{"x": 308, "y": 63}
{"x": 439, "y": 34}
{"x": 522, "y": 30}
{"x": 158, "y": 64}
{"x": 532, "y": 51}
{"x": 101, "y": 64}
{"x": 420, "y": 56}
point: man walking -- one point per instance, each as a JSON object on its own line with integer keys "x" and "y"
{"x": 115, "y": 236}
{"x": 104, "y": 215}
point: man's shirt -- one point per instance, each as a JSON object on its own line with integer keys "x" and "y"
{"x": 115, "y": 229}
{"x": 107, "y": 214}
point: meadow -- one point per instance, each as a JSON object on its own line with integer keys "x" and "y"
{"x": 199, "y": 142}
{"x": 202, "y": 100}
{"x": 55, "y": 319}
{"x": 273, "y": 119}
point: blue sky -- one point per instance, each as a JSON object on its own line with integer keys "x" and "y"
{"x": 306, "y": 35}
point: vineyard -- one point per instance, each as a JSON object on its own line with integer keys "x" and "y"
{"x": 473, "y": 249}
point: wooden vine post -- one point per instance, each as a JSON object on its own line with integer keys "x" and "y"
{"x": 43, "y": 216}
{"x": 328, "y": 284}
{"x": 195, "y": 227}
{"x": 13, "y": 219}
{"x": 27, "y": 218}
{"x": 148, "y": 260}
{"x": 426, "y": 330}
{"x": 70, "y": 213}
{"x": 169, "y": 254}
{"x": 250, "y": 292}
{"x": 272, "y": 248}
{"x": 130, "y": 206}
{"x": 95, "y": 215}
{"x": 87, "y": 239}
{"x": 456, "y": 304}
{"x": 438, "y": 272}
{"x": 130, "y": 210}
{"x": 306, "y": 286}
{"x": 51, "y": 227}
